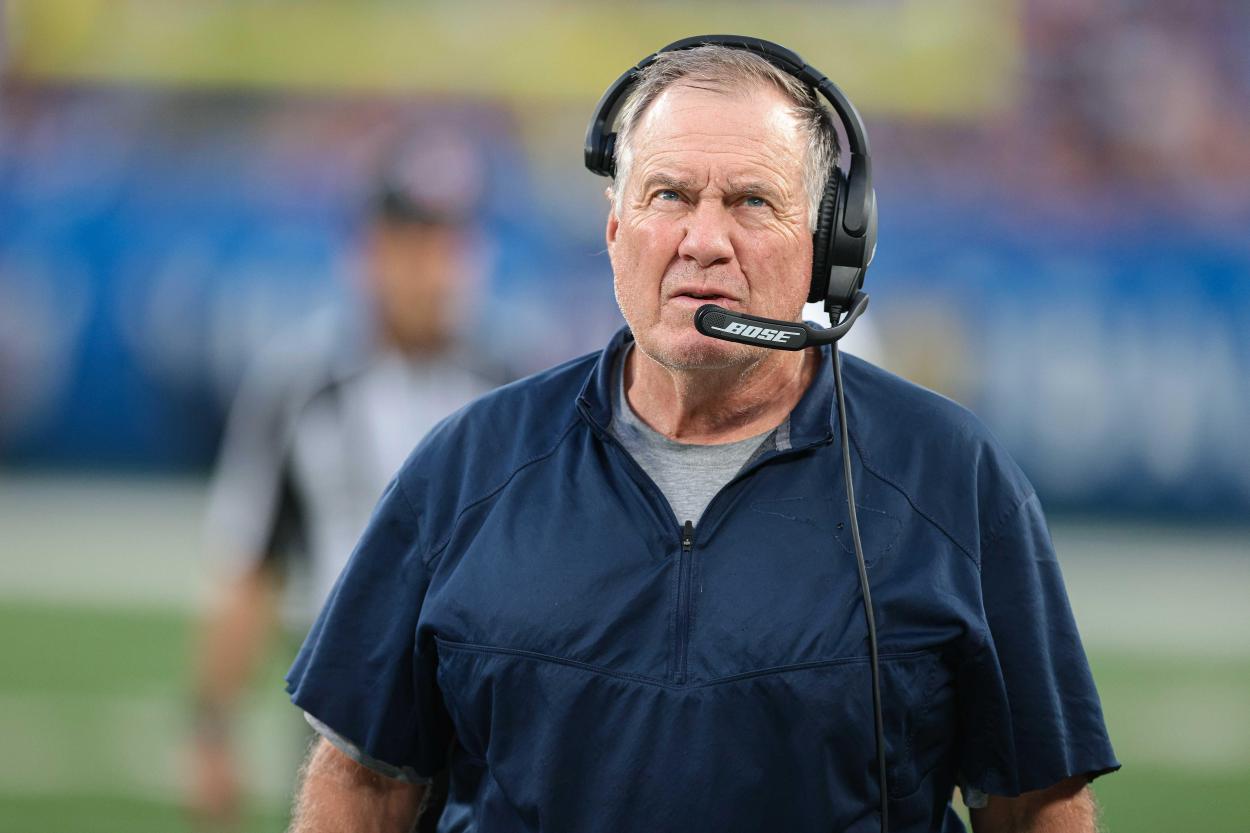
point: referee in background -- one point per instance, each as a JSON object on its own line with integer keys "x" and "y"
{"x": 322, "y": 421}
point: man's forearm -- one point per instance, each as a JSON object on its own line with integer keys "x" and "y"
{"x": 232, "y": 642}
{"x": 336, "y": 795}
{"x": 235, "y": 637}
{"x": 1067, "y": 807}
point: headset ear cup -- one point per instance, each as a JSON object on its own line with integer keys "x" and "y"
{"x": 607, "y": 160}
{"x": 827, "y": 222}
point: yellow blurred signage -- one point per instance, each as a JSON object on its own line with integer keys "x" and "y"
{"x": 944, "y": 58}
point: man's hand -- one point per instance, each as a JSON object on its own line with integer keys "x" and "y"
{"x": 215, "y": 798}
{"x": 234, "y": 640}
{"x": 1067, "y": 807}
{"x": 337, "y": 794}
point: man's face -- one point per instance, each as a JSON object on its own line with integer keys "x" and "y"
{"x": 415, "y": 272}
{"x": 714, "y": 211}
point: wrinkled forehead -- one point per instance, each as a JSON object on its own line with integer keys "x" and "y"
{"x": 722, "y": 126}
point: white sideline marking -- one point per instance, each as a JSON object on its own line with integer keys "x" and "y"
{"x": 137, "y": 542}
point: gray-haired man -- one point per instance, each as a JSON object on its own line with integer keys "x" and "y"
{"x": 619, "y": 595}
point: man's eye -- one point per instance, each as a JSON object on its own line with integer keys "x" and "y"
{"x": 755, "y": 202}
{"x": 667, "y": 194}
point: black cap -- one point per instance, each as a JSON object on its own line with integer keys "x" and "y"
{"x": 434, "y": 176}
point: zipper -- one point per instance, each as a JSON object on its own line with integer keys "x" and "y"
{"x": 684, "y": 567}
{"x": 683, "y": 600}
{"x": 686, "y": 538}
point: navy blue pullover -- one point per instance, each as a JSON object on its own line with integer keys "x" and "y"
{"x": 524, "y": 588}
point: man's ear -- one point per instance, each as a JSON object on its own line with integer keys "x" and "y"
{"x": 613, "y": 222}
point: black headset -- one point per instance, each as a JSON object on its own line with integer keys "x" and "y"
{"x": 846, "y": 227}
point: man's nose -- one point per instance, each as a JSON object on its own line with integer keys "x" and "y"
{"x": 707, "y": 235}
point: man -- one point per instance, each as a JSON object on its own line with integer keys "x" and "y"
{"x": 621, "y": 596}
{"x": 322, "y": 423}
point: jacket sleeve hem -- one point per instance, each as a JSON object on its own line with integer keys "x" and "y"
{"x": 399, "y": 773}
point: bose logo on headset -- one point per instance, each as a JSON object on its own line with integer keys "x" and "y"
{"x": 737, "y": 328}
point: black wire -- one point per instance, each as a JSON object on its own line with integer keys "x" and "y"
{"x": 878, "y": 721}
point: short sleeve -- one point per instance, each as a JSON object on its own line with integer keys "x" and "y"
{"x": 252, "y": 507}
{"x": 1030, "y": 712}
{"x": 362, "y": 671}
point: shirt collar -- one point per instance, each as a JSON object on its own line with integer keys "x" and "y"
{"x": 811, "y": 422}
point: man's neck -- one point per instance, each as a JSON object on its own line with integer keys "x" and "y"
{"x": 707, "y": 406}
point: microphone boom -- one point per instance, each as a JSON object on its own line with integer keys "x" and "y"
{"x": 718, "y": 322}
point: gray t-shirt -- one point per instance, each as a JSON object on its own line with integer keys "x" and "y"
{"x": 688, "y": 475}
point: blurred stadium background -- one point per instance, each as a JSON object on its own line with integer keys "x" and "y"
{"x": 1065, "y": 247}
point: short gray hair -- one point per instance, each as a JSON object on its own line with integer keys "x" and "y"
{"x": 727, "y": 68}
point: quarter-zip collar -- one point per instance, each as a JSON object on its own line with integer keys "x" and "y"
{"x": 812, "y": 421}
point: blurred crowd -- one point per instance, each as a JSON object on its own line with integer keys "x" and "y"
{"x": 154, "y": 238}
{"x": 1122, "y": 106}
{"x": 1153, "y": 95}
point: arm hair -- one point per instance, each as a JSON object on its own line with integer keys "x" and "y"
{"x": 1066, "y": 807}
{"x": 337, "y": 794}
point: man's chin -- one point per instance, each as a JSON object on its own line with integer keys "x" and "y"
{"x": 688, "y": 349}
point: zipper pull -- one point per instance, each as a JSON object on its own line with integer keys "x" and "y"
{"x": 687, "y": 537}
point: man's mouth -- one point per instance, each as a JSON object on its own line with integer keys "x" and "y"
{"x": 705, "y": 297}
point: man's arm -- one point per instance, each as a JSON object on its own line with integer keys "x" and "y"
{"x": 1067, "y": 807}
{"x": 337, "y": 794}
{"x": 235, "y": 636}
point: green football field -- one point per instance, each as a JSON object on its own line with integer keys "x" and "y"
{"x": 99, "y": 581}
{"x": 92, "y": 709}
